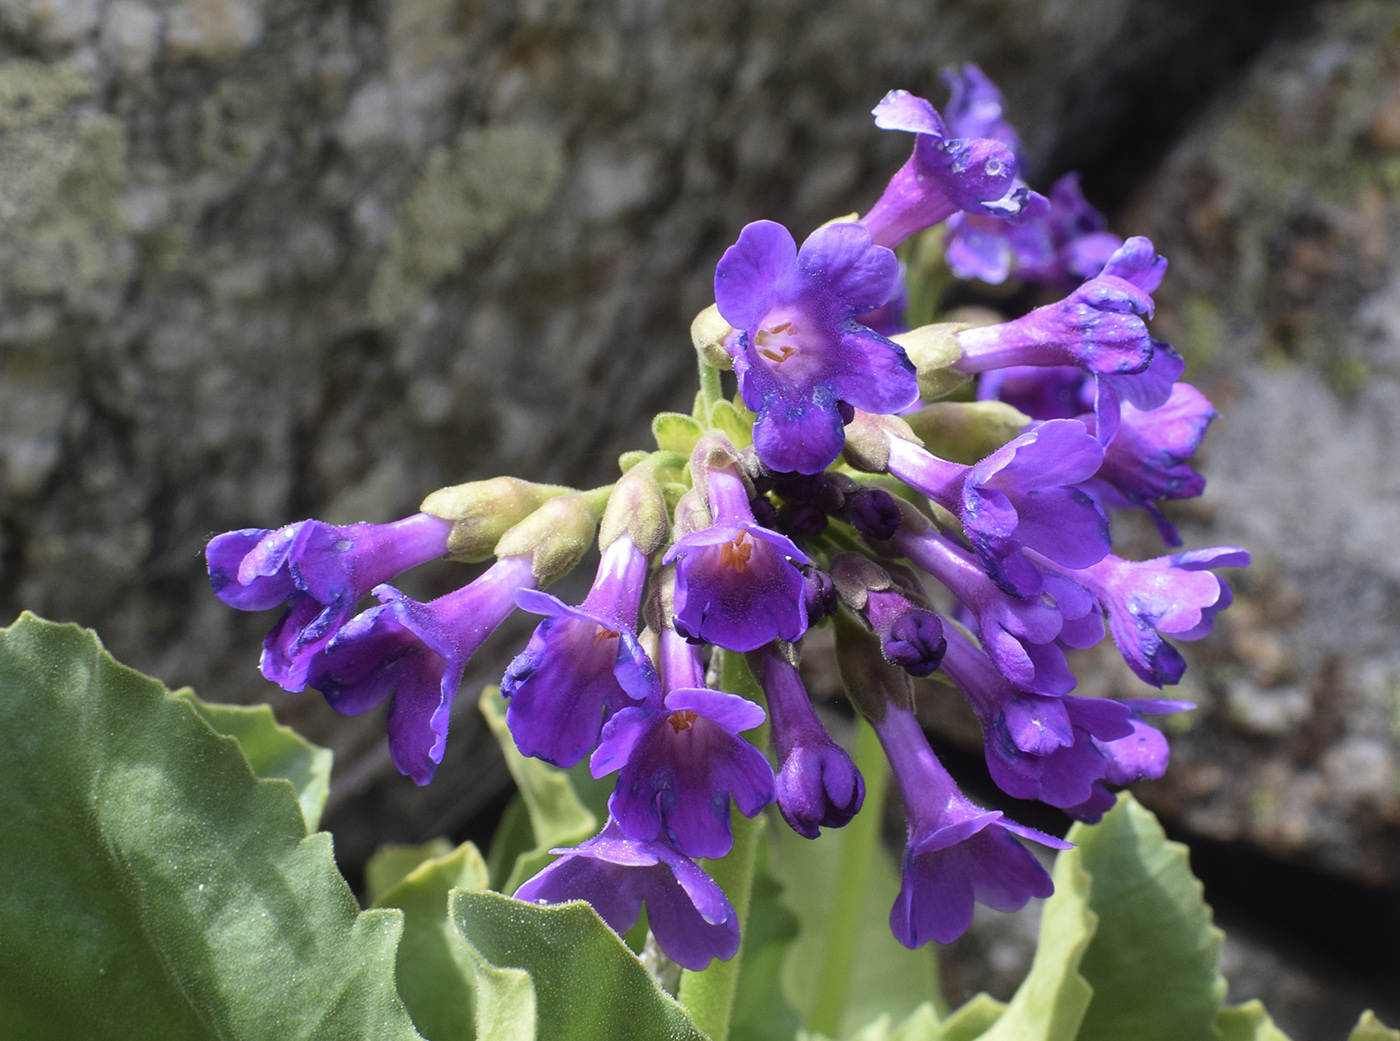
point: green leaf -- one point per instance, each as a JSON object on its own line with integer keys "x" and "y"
{"x": 675, "y": 432}
{"x": 272, "y": 750}
{"x": 557, "y": 816}
{"x": 435, "y": 971}
{"x": 1247, "y": 1022}
{"x": 966, "y": 1024}
{"x": 1369, "y": 1028}
{"x": 1153, "y": 961}
{"x": 1051, "y": 1001}
{"x": 973, "y": 1019}
{"x": 586, "y": 985}
{"x": 390, "y": 864}
{"x": 152, "y": 885}
{"x": 921, "y": 1025}
{"x": 734, "y": 421}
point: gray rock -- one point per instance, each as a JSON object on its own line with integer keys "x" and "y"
{"x": 1279, "y": 215}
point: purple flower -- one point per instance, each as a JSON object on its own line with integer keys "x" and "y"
{"x": 1174, "y": 595}
{"x": 1041, "y": 392}
{"x": 944, "y": 175}
{"x": 1057, "y": 750}
{"x": 873, "y": 512}
{"x": 687, "y": 912}
{"x": 817, "y": 784}
{"x": 1148, "y": 459}
{"x": 801, "y": 358}
{"x": 1019, "y": 633}
{"x": 1096, "y": 328}
{"x": 958, "y": 853}
{"x": 1063, "y": 248}
{"x": 320, "y": 571}
{"x": 991, "y": 249}
{"x": 682, "y": 760}
{"x": 416, "y": 653}
{"x": 581, "y": 664}
{"x": 911, "y": 636}
{"x": 976, "y": 108}
{"x": 1083, "y": 243}
{"x": 737, "y": 583}
{"x": 1022, "y": 496}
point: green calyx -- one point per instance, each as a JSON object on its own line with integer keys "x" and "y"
{"x": 709, "y": 332}
{"x": 637, "y": 508}
{"x": 967, "y": 431}
{"x": 868, "y": 440}
{"x": 483, "y": 511}
{"x": 557, "y": 535}
{"x": 934, "y": 351}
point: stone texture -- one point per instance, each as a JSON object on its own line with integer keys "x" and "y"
{"x": 1281, "y": 216}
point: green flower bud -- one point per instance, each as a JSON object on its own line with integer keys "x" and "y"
{"x": 557, "y": 535}
{"x": 872, "y": 683}
{"x": 868, "y": 440}
{"x": 486, "y": 510}
{"x": 709, "y": 332}
{"x": 934, "y": 350}
{"x": 637, "y": 507}
{"x": 692, "y": 514}
{"x": 967, "y": 431}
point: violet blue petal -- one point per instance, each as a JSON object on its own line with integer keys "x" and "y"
{"x": 759, "y": 269}
{"x": 900, "y": 110}
{"x": 681, "y": 765}
{"x": 689, "y": 915}
{"x": 977, "y": 108}
{"x": 738, "y": 586}
{"x": 842, "y": 263}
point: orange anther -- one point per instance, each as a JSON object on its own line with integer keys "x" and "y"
{"x": 779, "y": 356}
{"x": 683, "y": 719}
{"x": 603, "y": 634}
{"x": 736, "y": 553}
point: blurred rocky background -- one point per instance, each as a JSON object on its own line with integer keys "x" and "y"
{"x": 268, "y": 259}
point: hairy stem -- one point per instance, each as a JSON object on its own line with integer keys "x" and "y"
{"x": 709, "y": 993}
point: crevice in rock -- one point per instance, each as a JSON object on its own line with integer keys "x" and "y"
{"x": 1169, "y": 59}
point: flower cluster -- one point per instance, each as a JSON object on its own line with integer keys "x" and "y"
{"x": 968, "y": 538}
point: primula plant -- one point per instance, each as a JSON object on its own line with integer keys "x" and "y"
{"x": 939, "y": 497}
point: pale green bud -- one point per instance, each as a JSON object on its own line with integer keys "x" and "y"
{"x": 967, "y": 431}
{"x": 934, "y": 350}
{"x": 692, "y": 514}
{"x": 486, "y": 510}
{"x": 868, "y": 440}
{"x": 557, "y": 535}
{"x": 710, "y": 333}
{"x": 637, "y": 507}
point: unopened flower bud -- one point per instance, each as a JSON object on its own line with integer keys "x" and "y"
{"x": 967, "y": 431}
{"x": 483, "y": 511}
{"x": 556, "y": 536}
{"x": 934, "y": 350}
{"x": 873, "y": 512}
{"x": 637, "y": 507}
{"x": 911, "y": 636}
{"x": 819, "y": 593}
{"x": 711, "y": 333}
{"x": 868, "y": 440}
